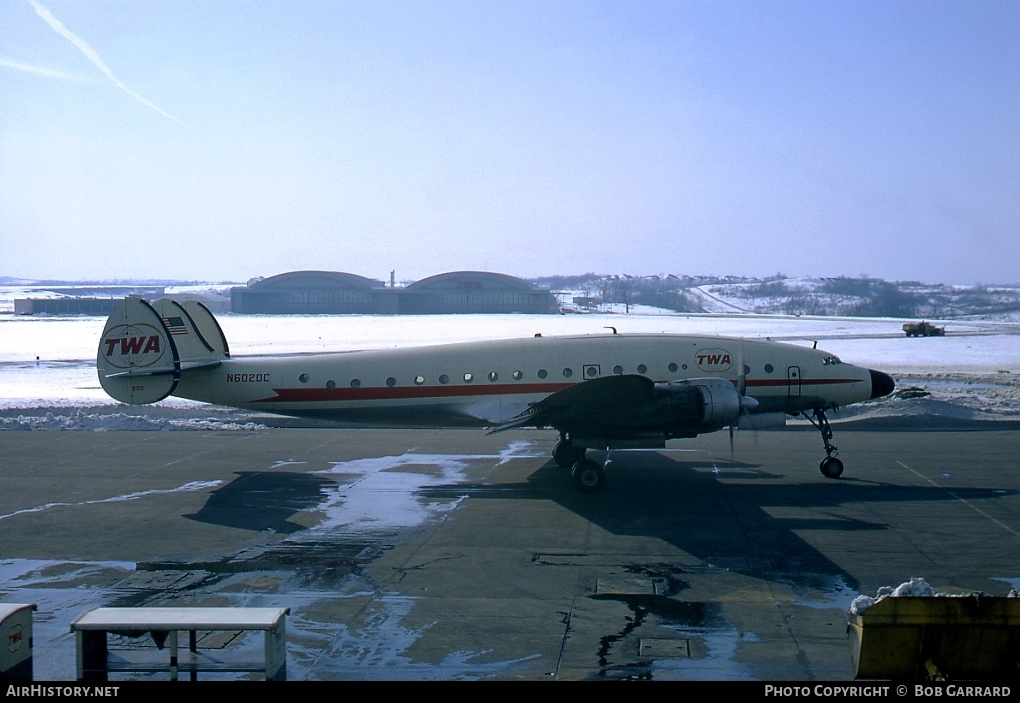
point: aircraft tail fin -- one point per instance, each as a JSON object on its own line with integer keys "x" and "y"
{"x": 208, "y": 327}
{"x": 137, "y": 360}
{"x": 146, "y": 346}
{"x": 197, "y": 346}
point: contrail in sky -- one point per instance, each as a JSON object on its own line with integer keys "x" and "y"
{"x": 49, "y": 73}
{"x": 91, "y": 55}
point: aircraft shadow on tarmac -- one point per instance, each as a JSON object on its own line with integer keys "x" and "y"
{"x": 737, "y": 523}
{"x": 724, "y": 514}
{"x": 263, "y": 501}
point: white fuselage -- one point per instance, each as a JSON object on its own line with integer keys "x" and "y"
{"x": 486, "y": 383}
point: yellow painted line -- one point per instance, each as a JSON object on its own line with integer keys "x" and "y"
{"x": 970, "y": 505}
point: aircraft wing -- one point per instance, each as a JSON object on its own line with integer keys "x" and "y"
{"x": 598, "y": 403}
{"x": 613, "y": 408}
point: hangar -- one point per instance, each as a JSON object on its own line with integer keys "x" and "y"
{"x": 331, "y": 292}
{"x": 81, "y": 300}
{"x": 64, "y": 306}
{"x": 475, "y": 292}
{"x": 308, "y": 292}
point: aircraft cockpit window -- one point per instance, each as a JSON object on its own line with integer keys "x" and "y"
{"x": 518, "y": 375}
{"x": 469, "y": 377}
{"x": 493, "y": 375}
{"x": 418, "y": 380}
{"x": 831, "y": 361}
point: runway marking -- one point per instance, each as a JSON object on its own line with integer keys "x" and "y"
{"x": 970, "y": 505}
{"x": 187, "y": 487}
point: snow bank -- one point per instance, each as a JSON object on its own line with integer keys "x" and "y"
{"x": 81, "y": 420}
{"x": 914, "y": 587}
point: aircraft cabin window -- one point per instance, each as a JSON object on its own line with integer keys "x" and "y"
{"x": 418, "y": 380}
{"x": 641, "y": 368}
{"x": 618, "y": 370}
{"x": 542, "y": 373}
{"x": 567, "y": 373}
{"x": 592, "y": 372}
{"x": 769, "y": 368}
{"x": 469, "y": 377}
{"x": 391, "y": 381}
{"x": 444, "y": 378}
{"x": 303, "y": 378}
{"x": 747, "y": 369}
{"x": 330, "y": 385}
{"x": 493, "y": 375}
{"x": 673, "y": 367}
{"x": 355, "y": 383}
{"x": 518, "y": 375}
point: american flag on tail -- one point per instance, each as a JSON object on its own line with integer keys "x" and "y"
{"x": 175, "y": 325}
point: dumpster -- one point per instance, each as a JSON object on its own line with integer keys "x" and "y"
{"x": 16, "y": 634}
{"x": 937, "y": 638}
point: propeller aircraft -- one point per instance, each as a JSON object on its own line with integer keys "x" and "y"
{"x": 599, "y": 392}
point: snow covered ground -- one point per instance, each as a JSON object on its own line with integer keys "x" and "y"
{"x": 48, "y": 377}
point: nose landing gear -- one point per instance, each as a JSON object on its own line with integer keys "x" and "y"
{"x": 830, "y": 466}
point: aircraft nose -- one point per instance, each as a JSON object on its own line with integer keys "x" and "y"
{"x": 881, "y": 384}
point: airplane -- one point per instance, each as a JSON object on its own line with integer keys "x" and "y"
{"x": 600, "y": 392}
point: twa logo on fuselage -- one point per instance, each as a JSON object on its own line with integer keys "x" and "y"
{"x": 132, "y": 346}
{"x": 713, "y": 360}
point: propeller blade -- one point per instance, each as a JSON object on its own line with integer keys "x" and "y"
{"x": 742, "y": 373}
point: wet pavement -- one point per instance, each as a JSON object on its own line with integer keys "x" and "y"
{"x": 452, "y": 554}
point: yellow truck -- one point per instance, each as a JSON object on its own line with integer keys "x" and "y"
{"x": 923, "y": 329}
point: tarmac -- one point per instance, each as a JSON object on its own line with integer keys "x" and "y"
{"x": 458, "y": 555}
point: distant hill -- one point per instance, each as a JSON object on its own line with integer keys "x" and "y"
{"x": 843, "y": 296}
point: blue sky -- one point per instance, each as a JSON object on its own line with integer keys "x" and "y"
{"x": 221, "y": 140}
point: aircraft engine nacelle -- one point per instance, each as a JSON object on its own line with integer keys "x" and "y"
{"x": 700, "y": 405}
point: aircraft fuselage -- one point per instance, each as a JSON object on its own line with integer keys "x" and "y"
{"x": 486, "y": 383}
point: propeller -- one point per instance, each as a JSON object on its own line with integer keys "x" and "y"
{"x": 747, "y": 404}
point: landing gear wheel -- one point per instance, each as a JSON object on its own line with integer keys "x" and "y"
{"x": 566, "y": 455}
{"x": 831, "y": 467}
{"x": 588, "y": 476}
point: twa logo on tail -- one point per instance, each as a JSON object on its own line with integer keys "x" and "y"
{"x": 714, "y": 360}
{"x": 133, "y": 346}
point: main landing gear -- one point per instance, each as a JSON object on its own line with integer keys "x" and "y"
{"x": 830, "y": 466}
{"x": 587, "y": 474}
